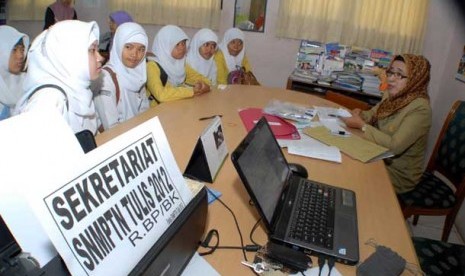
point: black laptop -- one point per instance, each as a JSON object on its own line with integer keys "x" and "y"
{"x": 297, "y": 212}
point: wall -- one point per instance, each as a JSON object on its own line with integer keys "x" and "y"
{"x": 273, "y": 58}
{"x": 444, "y": 42}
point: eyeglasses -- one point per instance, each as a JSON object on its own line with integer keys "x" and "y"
{"x": 397, "y": 75}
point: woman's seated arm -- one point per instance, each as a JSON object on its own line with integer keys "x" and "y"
{"x": 222, "y": 68}
{"x": 192, "y": 76}
{"x": 246, "y": 64}
{"x": 414, "y": 124}
{"x": 167, "y": 92}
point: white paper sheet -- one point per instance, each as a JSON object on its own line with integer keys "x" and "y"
{"x": 309, "y": 147}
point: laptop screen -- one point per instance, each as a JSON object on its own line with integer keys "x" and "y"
{"x": 262, "y": 167}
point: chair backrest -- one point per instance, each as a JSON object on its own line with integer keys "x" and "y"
{"x": 346, "y": 101}
{"x": 448, "y": 156}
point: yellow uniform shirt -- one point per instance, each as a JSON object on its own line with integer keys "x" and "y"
{"x": 222, "y": 68}
{"x": 169, "y": 92}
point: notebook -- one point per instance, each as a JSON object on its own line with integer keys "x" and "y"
{"x": 277, "y": 195}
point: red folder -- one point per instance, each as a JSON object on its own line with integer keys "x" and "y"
{"x": 281, "y": 128}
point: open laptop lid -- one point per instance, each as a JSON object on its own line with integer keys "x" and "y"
{"x": 263, "y": 169}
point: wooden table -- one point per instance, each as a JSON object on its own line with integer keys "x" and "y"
{"x": 379, "y": 215}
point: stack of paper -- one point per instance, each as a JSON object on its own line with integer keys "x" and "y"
{"x": 312, "y": 148}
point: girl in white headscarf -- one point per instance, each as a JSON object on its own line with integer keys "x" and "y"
{"x": 12, "y": 57}
{"x": 200, "y": 55}
{"x": 123, "y": 96}
{"x": 231, "y": 55}
{"x": 65, "y": 56}
{"x": 166, "y": 75}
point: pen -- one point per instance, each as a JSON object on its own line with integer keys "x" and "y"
{"x": 209, "y": 117}
{"x": 340, "y": 133}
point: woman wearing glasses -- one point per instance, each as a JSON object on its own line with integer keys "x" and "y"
{"x": 401, "y": 121}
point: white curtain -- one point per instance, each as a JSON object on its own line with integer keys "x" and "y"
{"x": 188, "y": 13}
{"x": 27, "y": 9}
{"x": 394, "y": 25}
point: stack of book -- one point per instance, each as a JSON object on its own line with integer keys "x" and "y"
{"x": 348, "y": 81}
{"x": 346, "y": 67}
{"x": 381, "y": 58}
{"x": 308, "y": 55}
{"x": 370, "y": 84}
{"x": 304, "y": 75}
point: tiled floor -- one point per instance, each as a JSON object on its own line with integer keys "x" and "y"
{"x": 431, "y": 227}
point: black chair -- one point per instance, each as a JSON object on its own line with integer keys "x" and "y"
{"x": 440, "y": 258}
{"x": 432, "y": 196}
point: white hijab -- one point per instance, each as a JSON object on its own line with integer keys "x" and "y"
{"x": 11, "y": 85}
{"x": 231, "y": 61}
{"x": 196, "y": 61}
{"x": 163, "y": 44}
{"x": 60, "y": 56}
{"x": 129, "y": 79}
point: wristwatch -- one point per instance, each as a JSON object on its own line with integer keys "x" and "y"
{"x": 364, "y": 127}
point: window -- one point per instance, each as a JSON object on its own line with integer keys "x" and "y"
{"x": 27, "y": 9}
{"x": 188, "y": 13}
{"x": 394, "y": 25}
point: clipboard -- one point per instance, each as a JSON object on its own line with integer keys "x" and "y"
{"x": 281, "y": 128}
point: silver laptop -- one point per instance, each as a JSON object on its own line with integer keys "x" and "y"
{"x": 306, "y": 215}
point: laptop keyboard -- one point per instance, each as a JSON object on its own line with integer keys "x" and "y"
{"x": 315, "y": 223}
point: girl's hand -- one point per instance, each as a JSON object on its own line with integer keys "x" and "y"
{"x": 201, "y": 87}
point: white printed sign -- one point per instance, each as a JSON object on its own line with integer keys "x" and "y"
{"x": 116, "y": 204}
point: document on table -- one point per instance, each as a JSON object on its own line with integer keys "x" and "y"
{"x": 309, "y": 147}
{"x": 354, "y": 146}
{"x": 331, "y": 112}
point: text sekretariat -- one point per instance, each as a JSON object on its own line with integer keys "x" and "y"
{"x": 119, "y": 200}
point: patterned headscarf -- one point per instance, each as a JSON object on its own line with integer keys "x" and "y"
{"x": 418, "y": 70}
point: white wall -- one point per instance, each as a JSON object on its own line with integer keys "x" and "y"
{"x": 273, "y": 58}
{"x": 444, "y": 42}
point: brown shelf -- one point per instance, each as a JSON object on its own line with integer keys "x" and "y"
{"x": 320, "y": 90}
